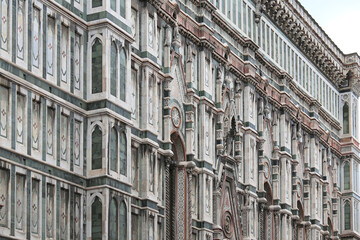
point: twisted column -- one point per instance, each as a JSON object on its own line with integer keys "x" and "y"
{"x": 167, "y": 199}
{"x": 189, "y": 174}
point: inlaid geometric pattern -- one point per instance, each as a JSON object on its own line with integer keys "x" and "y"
{"x": 20, "y": 202}
{"x": 36, "y": 38}
{"x": 4, "y": 111}
{"x": 35, "y": 206}
{"x": 4, "y": 24}
{"x": 20, "y": 28}
{"x": 20, "y": 118}
{"x": 4, "y": 197}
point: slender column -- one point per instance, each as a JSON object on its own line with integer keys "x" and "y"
{"x": 168, "y": 220}
{"x": 276, "y": 216}
{"x": 262, "y": 222}
{"x": 189, "y": 175}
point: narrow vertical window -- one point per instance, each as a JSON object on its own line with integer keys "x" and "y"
{"x": 244, "y": 17}
{"x": 113, "y": 5}
{"x": 20, "y": 29}
{"x": 122, "y": 74}
{"x": 272, "y": 44}
{"x": 122, "y": 8}
{"x": 288, "y": 59}
{"x": 123, "y": 220}
{"x": 64, "y": 52}
{"x": 50, "y": 46}
{"x": 346, "y": 118}
{"x": 228, "y": 9}
{"x": 113, "y": 69}
{"x": 96, "y": 68}
{"x": 113, "y": 220}
{"x": 96, "y": 219}
{"x": 263, "y": 35}
{"x": 249, "y": 22}
{"x": 280, "y": 50}
{"x": 346, "y": 176}
{"x": 347, "y": 216}
{"x": 96, "y": 148}
{"x": 234, "y": 11}
{"x": 20, "y": 118}
{"x": 77, "y": 61}
{"x": 267, "y": 39}
{"x": 123, "y": 153}
{"x": 113, "y": 149}
{"x": 239, "y": 13}
{"x": 296, "y": 68}
{"x": 36, "y": 38}
{"x": 276, "y": 49}
{"x": 4, "y": 24}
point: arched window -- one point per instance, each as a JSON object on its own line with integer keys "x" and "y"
{"x": 96, "y": 219}
{"x": 123, "y": 152}
{"x": 113, "y": 149}
{"x": 96, "y": 148}
{"x": 123, "y": 225}
{"x": 347, "y": 216}
{"x": 346, "y": 176}
{"x": 346, "y": 118}
{"x": 113, "y": 69}
{"x": 122, "y": 8}
{"x": 122, "y": 74}
{"x": 113, "y": 220}
{"x": 96, "y": 68}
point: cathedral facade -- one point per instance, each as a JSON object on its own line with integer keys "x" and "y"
{"x": 175, "y": 120}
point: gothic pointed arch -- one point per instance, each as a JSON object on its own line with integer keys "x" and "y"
{"x": 113, "y": 219}
{"x": 96, "y": 219}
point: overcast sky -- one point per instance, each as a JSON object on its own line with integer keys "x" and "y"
{"x": 340, "y": 19}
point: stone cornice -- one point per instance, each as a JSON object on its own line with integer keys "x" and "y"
{"x": 278, "y": 12}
